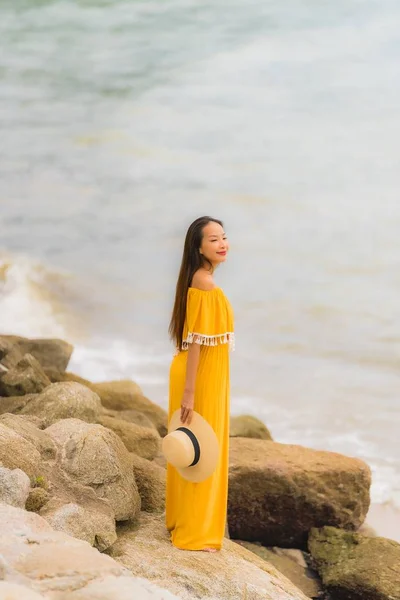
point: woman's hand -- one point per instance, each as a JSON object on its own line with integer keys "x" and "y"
{"x": 187, "y": 406}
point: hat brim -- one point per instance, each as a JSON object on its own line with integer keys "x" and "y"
{"x": 209, "y": 447}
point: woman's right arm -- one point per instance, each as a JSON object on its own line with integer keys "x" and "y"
{"x": 187, "y": 404}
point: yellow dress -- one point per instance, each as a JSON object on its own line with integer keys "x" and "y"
{"x": 196, "y": 512}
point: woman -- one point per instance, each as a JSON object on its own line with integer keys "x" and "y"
{"x": 202, "y": 329}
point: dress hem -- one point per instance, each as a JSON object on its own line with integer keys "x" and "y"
{"x": 197, "y": 549}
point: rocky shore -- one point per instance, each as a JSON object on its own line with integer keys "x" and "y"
{"x": 82, "y": 501}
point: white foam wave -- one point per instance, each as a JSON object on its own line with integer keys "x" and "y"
{"x": 119, "y": 359}
{"x": 26, "y": 306}
{"x": 37, "y": 300}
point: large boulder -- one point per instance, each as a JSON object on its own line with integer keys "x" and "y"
{"x": 144, "y": 547}
{"x": 143, "y": 441}
{"x": 15, "y": 591}
{"x": 14, "y": 404}
{"x": 126, "y": 395}
{"x": 151, "y": 482}
{"x": 122, "y": 588}
{"x": 65, "y": 376}
{"x": 17, "y": 453}
{"x": 62, "y": 401}
{"x": 93, "y": 526}
{"x": 249, "y": 427}
{"x": 96, "y": 457}
{"x": 73, "y": 508}
{"x": 40, "y": 439}
{"x": 10, "y": 354}
{"x": 55, "y": 565}
{"x": 51, "y": 353}
{"x": 117, "y": 394}
{"x": 278, "y": 492}
{"x": 14, "y": 487}
{"x": 290, "y": 563}
{"x": 160, "y": 460}
{"x": 355, "y": 567}
{"x": 26, "y": 377}
{"x": 131, "y": 416}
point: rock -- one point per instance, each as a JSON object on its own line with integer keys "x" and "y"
{"x": 142, "y": 441}
{"x": 40, "y": 439}
{"x": 37, "y": 498}
{"x": 249, "y": 427}
{"x": 27, "y": 377}
{"x": 144, "y": 547}
{"x": 131, "y": 416}
{"x": 10, "y": 354}
{"x": 51, "y": 353}
{"x": 160, "y": 460}
{"x": 56, "y": 376}
{"x": 277, "y": 492}
{"x": 14, "y": 591}
{"x": 68, "y": 499}
{"x": 95, "y": 456}
{"x": 295, "y": 569}
{"x": 117, "y": 394}
{"x": 62, "y": 401}
{"x": 151, "y": 482}
{"x": 353, "y": 566}
{"x": 61, "y": 567}
{"x": 14, "y": 487}
{"x": 122, "y": 588}
{"x": 155, "y": 413}
{"x": 126, "y": 395}
{"x": 14, "y": 404}
{"x": 88, "y": 525}
{"x": 17, "y": 522}
{"x": 18, "y": 453}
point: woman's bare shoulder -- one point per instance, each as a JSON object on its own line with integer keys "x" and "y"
{"x": 203, "y": 280}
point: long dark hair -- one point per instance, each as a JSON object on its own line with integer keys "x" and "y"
{"x": 192, "y": 260}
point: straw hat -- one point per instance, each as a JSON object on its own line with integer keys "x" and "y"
{"x": 192, "y": 449}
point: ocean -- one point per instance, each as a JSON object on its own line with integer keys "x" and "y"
{"x": 122, "y": 121}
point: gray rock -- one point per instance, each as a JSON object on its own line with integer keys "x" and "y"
{"x": 94, "y": 527}
{"x": 63, "y": 401}
{"x": 14, "y": 487}
{"x": 95, "y": 456}
{"x": 61, "y": 567}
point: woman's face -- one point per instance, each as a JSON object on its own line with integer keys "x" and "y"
{"x": 214, "y": 244}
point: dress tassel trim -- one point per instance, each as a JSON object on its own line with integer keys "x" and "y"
{"x": 209, "y": 340}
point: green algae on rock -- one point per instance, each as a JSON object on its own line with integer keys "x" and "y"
{"x": 356, "y": 567}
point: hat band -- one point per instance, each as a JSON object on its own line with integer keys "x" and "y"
{"x": 195, "y": 443}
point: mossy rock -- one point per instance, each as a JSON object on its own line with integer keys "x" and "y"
{"x": 249, "y": 427}
{"x": 356, "y": 567}
{"x": 37, "y": 498}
